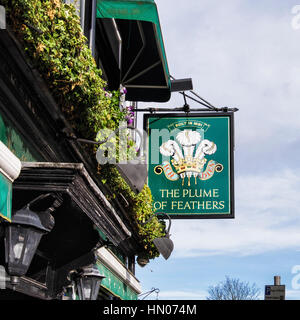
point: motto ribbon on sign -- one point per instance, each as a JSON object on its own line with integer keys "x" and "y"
{"x": 210, "y": 170}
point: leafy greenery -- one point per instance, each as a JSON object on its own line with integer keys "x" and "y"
{"x": 141, "y": 209}
{"x": 52, "y": 37}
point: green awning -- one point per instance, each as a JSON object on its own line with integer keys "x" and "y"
{"x": 5, "y": 198}
{"x": 128, "y": 9}
{"x": 144, "y": 69}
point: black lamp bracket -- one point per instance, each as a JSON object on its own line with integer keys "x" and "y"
{"x": 103, "y": 243}
{"x": 71, "y": 136}
{"x": 56, "y": 202}
{"x": 186, "y": 108}
{"x": 158, "y": 214}
{"x": 72, "y": 275}
{"x": 146, "y": 294}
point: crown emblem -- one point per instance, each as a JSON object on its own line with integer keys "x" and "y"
{"x": 190, "y": 162}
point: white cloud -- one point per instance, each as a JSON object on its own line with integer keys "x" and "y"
{"x": 267, "y": 219}
{"x": 243, "y": 56}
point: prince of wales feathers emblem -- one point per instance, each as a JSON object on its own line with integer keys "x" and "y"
{"x": 188, "y": 163}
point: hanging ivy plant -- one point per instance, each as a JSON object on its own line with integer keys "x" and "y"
{"x": 51, "y": 34}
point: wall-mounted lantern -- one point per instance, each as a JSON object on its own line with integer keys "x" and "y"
{"x": 22, "y": 237}
{"x": 88, "y": 283}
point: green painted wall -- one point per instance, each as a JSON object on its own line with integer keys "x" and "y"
{"x": 15, "y": 142}
{"x": 112, "y": 283}
{"x": 20, "y": 148}
{"x": 5, "y": 198}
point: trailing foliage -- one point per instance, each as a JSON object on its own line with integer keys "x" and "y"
{"x": 52, "y": 37}
{"x": 141, "y": 208}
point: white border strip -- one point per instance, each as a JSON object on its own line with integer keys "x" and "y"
{"x": 110, "y": 261}
{"x": 10, "y": 165}
{"x": 2, "y": 18}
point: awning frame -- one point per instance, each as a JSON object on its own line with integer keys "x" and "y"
{"x": 139, "y": 11}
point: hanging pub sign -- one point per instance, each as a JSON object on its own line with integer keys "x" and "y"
{"x": 190, "y": 164}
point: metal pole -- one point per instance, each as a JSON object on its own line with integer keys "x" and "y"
{"x": 93, "y": 27}
{"x": 276, "y": 280}
{"x": 151, "y": 110}
{"x": 82, "y": 13}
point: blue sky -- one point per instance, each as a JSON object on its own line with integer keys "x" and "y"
{"x": 243, "y": 54}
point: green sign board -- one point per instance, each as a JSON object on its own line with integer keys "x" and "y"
{"x": 190, "y": 164}
{"x": 5, "y": 198}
